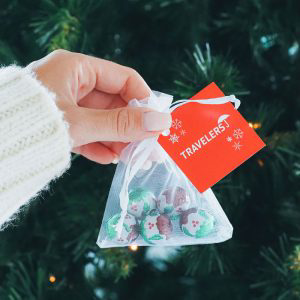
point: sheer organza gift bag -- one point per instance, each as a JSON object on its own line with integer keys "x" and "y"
{"x": 152, "y": 202}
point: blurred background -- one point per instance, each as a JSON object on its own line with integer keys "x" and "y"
{"x": 250, "y": 49}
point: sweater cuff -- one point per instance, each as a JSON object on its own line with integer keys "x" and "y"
{"x": 34, "y": 143}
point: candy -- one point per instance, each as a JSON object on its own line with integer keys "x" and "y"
{"x": 173, "y": 200}
{"x": 141, "y": 202}
{"x": 156, "y": 227}
{"x": 130, "y": 230}
{"x": 196, "y": 222}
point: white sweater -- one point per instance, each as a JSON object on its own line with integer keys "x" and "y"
{"x": 34, "y": 143}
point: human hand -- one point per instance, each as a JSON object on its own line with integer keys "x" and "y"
{"x": 93, "y": 94}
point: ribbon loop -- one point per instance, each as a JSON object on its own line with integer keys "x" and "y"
{"x": 220, "y": 100}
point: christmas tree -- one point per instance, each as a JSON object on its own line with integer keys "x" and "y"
{"x": 250, "y": 49}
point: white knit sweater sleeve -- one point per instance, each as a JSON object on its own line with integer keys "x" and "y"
{"x": 34, "y": 143}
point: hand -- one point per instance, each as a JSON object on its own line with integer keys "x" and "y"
{"x": 93, "y": 94}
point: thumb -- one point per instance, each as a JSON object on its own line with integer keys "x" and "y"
{"x": 124, "y": 124}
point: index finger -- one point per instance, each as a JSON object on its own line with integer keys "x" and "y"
{"x": 113, "y": 78}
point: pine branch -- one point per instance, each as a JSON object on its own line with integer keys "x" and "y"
{"x": 27, "y": 279}
{"x": 57, "y": 29}
{"x": 60, "y": 24}
{"x": 206, "y": 259}
{"x": 7, "y": 55}
{"x": 117, "y": 263}
{"x": 264, "y": 30}
{"x": 203, "y": 68}
{"x": 280, "y": 272}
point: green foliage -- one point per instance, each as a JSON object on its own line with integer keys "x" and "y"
{"x": 294, "y": 266}
{"x": 6, "y": 53}
{"x": 117, "y": 261}
{"x": 59, "y": 24}
{"x": 280, "y": 272}
{"x": 205, "y": 259}
{"x": 202, "y": 69}
{"x": 27, "y": 280}
{"x": 263, "y": 30}
{"x": 57, "y": 30}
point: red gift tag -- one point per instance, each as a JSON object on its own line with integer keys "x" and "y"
{"x": 208, "y": 141}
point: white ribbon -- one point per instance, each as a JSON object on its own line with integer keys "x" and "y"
{"x": 220, "y": 100}
{"x": 159, "y": 102}
{"x": 162, "y": 103}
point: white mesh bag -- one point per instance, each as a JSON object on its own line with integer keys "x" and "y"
{"x": 152, "y": 202}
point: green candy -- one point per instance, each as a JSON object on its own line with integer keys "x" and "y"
{"x": 129, "y": 232}
{"x": 141, "y": 202}
{"x": 196, "y": 223}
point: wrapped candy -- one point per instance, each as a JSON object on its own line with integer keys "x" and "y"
{"x": 130, "y": 230}
{"x": 173, "y": 201}
{"x": 141, "y": 202}
{"x": 196, "y": 222}
{"x": 156, "y": 227}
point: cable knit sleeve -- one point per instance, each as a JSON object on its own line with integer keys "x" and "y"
{"x": 34, "y": 143}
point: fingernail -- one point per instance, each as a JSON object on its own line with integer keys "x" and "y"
{"x": 157, "y": 121}
{"x": 115, "y": 161}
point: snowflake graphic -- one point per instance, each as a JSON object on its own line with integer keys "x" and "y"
{"x": 238, "y": 133}
{"x": 229, "y": 139}
{"x": 183, "y": 132}
{"x": 176, "y": 124}
{"x": 237, "y": 146}
{"x": 174, "y": 138}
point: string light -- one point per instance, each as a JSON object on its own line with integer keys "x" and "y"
{"x": 126, "y": 267}
{"x": 260, "y": 162}
{"x": 295, "y": 259}
{"x": 52, "y": 278}
{"x": 133, "y": 247}
{"x": 255, "y": 125}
